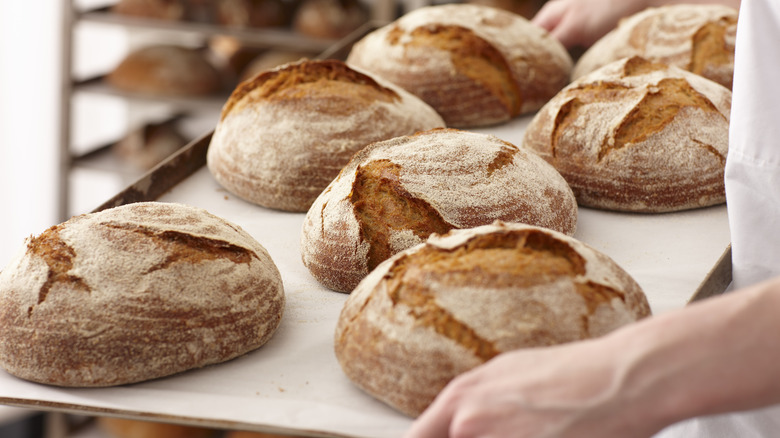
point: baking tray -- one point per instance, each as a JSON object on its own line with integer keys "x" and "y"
{"x": 293, "y": 384}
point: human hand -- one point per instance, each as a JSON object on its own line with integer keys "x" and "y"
{"x": 583, "y": 22}
{"x": 572, "y": 390}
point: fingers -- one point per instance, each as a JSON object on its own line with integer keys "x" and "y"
{"x": 435, "y": 421}
{"x": 550, "y": 15}
{"x": 560, "y": 18}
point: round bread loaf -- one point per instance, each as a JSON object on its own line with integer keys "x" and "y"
{"x": 446, "y": 306}
{"x": 637, "y": 136}
{"x": 166, "y": 70}
{"x": 394, "y": 194}
{"x": 474, "y": 64}
{"x": 697, "y": 38}
{"x": 134, "y": 293}
{"x": 285, "y": 134}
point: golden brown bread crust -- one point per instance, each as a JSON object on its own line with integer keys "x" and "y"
{"x": 637, "y": 136}
{"x": 443, "y": 307}
{"x": 285, "y": 134}
{"x": 166, "y": 70}
{"x": 475, "y": 65}
{"x": 394, "y": 194}
{"x": 135, "y": 293}
{"x": 697, "y": 38}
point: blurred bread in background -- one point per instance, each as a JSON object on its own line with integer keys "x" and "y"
{"x": 329, "y": 18}
{"x": 167, "y": 70}
{"x": 272, "y": 59}
{"x": 253, "y": 13}
{"x": 698, "y": 38}
{"x": 162, "y": 9}
{"x": 150, "y": 144}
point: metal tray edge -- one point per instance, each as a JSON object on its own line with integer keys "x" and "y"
{"x": 717, "y": 280}
{"x": 164, "y": 176}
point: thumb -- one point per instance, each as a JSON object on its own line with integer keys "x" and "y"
{"x": 434, "y": 422}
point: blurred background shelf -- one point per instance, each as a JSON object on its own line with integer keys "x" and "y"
{"x": 278, "y": 37}
{"x": 183, "y": 103}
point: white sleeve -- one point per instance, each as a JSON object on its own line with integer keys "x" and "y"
{"x": 753, "y": 163}
{"x": 752, "y": 191}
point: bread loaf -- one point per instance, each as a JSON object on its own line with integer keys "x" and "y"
{"x": 637, "y": 136}
{"x": 134, "y": 293}
{"x": 699, "y": 38}
{"x": 285, "y": 134}
{"x": 443, "y": 307}
{"x": 393, "y": 194}
{"x": 475, "y": 65}
{"x": 166, "y": 70}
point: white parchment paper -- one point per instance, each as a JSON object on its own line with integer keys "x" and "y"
{"x": 294, "y": 382}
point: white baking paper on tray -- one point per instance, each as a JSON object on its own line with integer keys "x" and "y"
{"x": 294, "y": 382}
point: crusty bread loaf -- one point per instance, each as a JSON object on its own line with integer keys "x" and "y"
{"x": 166, "y": 70}
{"x": 697, "y": 38}
{"x": 126, "y": 428}
{"x": 393, "y": 194}
{"x": 637, "y": 136}
{"x": 134, "y": 293}
{"x": 475, "y": 65}
{"x": 443, "y": 307}
{"x": 285, "y": 134}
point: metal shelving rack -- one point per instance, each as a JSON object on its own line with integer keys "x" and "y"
{"x": 381, "y": 11}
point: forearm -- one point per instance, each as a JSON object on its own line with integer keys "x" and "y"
{"x": 716, "y": 356}
{"x": 719, "y": 355}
